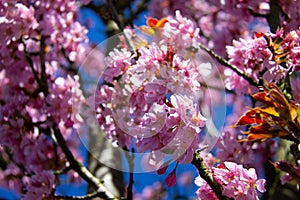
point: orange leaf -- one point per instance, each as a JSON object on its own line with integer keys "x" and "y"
{"x": 161, "y": 23}
{"x": 155, "y": 23}
{"x": 277, "y": 118}
{"x": 278, "y": 98}
{"x": 152, "y": 21}
{"x": 262, "y": 97}
{"x": 259, "y": 136}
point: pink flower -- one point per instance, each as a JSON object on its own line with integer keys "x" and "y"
{"x": 260, "y": 58}
{"x": 181, "y": 31}
{"x": 205, "y": 191}
{"x": 39, "y": 186}
{"x": 152, "y": 97}
{"x": 228, "y": 146}
{"x": 171, "y": 178}
{"x": 237, "y": 182}
{"x": 26, "y": 112}
{"x": 164, "y": 8}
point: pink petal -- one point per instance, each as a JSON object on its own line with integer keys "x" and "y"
{"x": 260, "y": 185}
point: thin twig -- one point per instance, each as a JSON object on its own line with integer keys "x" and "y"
{"x": 227, "y": 64}
{"x": 219, "y": 89}
{"x": 206, "y": 175}
{"x": 120, "y": 25}
{"x": 30, "y": 62}
{"x": 130, "y": 160}
{"x": 43, "y": 66}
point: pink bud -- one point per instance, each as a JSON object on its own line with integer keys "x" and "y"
{"x": 162, "y": 170}
{"x": 171, "y": 178}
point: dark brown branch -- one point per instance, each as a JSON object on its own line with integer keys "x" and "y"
{"x": 114, "y": 14}
{"x": 30, "y": 62}
{"x": 3, "y": 163}
{"x": 116, "y": 19}
{"x": 206, "y": 175}
{"x": 80, "y": 168}
{"x": 273, "y": 17}
{"x": 228, "y": 65}
{"x": 43, "y": 66}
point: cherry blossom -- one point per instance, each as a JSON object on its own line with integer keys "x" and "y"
{"x": 153, "y": 94}
{"x": 38, "y": 39}
{"x": 268, "y": 57}
{"x": 237, "y": 182}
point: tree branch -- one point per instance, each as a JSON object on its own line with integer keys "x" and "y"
{"x": 206, "y": 175}
{"x": 116, "y": 19}
{"x": 43, "y": 66}
{"x": 228, "y": 65}
{"x": 273, "y": 17}
{"x": 80, "y": 168}
{"x": 30, "y": 62}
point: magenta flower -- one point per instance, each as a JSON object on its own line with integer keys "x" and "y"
{"x": 237, "y": 182}
{"x": 39, "y": 186}
{"x": 171, "y": 178}
{"x": 150, "y": 100}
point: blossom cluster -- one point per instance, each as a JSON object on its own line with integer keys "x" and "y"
{"x": 150, "y": 100}
{"x": 40, "y": 42}
{"x": 150, "y": 96}
{"x": 267, "y": 56}
{"x": 220, "y": 21}
{"x": 236, "y": 182}
{"x": 271, "y": 57}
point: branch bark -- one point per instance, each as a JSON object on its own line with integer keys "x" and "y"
{"x": 80, "y": 168}
{"x": 228, "y": 65}
{"x": 206, "y": 175}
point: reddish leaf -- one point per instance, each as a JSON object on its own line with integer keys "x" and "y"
{"x": 252, "y": 137}
{"x": 278, "y": 98}
{"x": 262, "y": 97}
{"x": 277, "y": 118}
